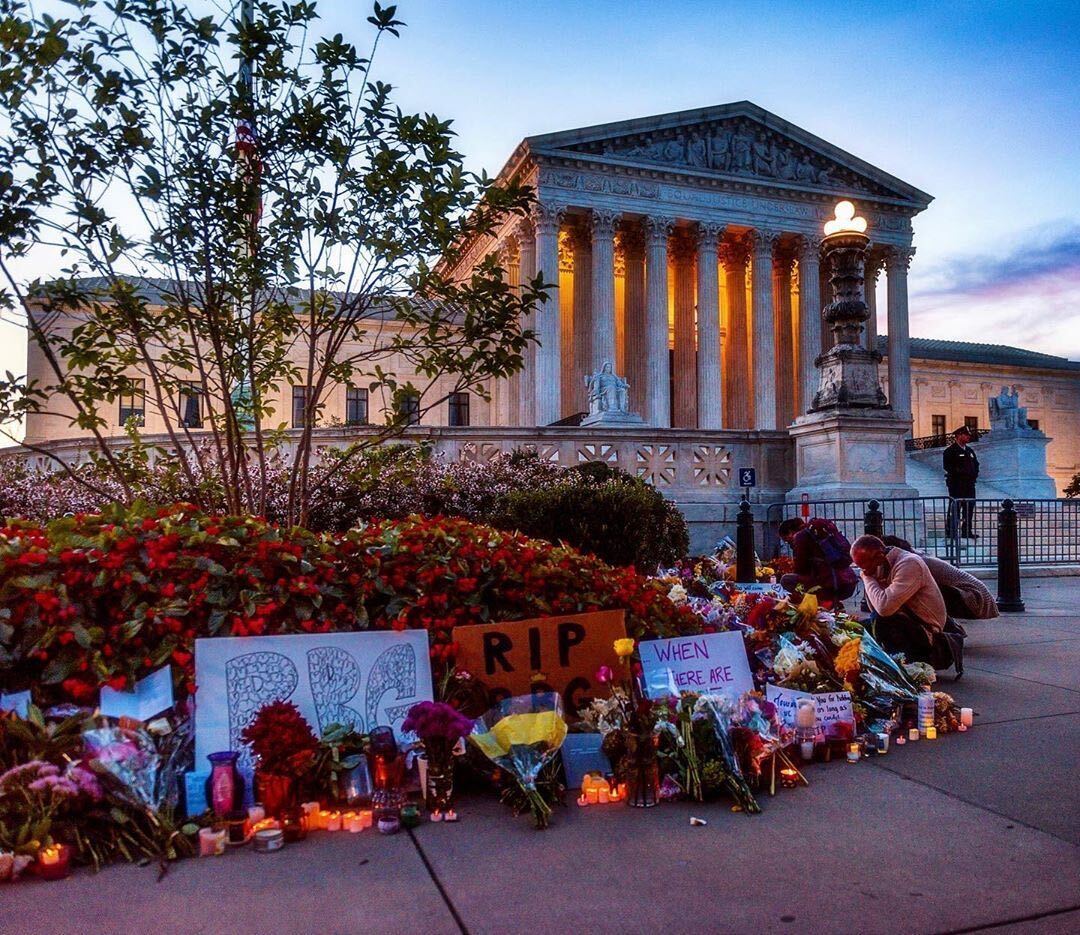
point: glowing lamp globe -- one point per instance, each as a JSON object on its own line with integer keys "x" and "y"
{"x": 845, "y": 221}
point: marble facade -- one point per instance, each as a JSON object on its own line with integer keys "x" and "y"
{"x": 685, "y": 247}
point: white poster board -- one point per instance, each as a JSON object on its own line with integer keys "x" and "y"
{"x": 711, "y": 663}
{"x": 832, "y": 707}
{"x": 365, "y": 679}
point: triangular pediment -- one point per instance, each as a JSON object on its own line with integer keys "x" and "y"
{"x": 737, "y": 141}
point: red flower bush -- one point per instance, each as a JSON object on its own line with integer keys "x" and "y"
{"x": 106, "y": 599}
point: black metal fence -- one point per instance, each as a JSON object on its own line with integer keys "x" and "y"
{"x": 963, "y": 532}
{"x": 927, "y": 442}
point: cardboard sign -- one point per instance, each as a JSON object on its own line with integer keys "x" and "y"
{"x": 566, "y": 651}
{"x": 712, "y": 663}
{"x": 151, "y": 696}
{"x": 773, "y": 589}
{"x": 832, "y": 707}
{"x": 365, "y": 679}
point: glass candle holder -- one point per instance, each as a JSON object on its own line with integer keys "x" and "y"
{"x": 789, "y": 777}
{"x": 53, "y": 862}
{"x": 225, "y": 785}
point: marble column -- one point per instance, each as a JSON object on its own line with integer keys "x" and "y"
{"x": 683, "y": 249}
{"x": 581, "y": 345}
{"x": 602, "y": 343}
{"x": 510, "y": 397}
{"x": 710, "y": 390}
{"x": 809, "y": 319}
{"x": 784, "y": 341}
{"x": 657, "y": 367}
{"x": 897, "y": 260}
{"x": 870, "y": 274}
{"x": 546, "y": 219}
{"x": 526, "y": 272}
{"x": 736, "y": 366}
{"x": 636, "y": 323}
{"x": 763, "y": 323}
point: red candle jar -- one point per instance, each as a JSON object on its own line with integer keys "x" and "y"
{"x": 53, "y": 862}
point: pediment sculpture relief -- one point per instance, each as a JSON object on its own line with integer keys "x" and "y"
{"x": 741, "y": 147}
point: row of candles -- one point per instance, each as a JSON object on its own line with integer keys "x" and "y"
{"x": 267, "y": 833}
{"x": 596, "y": 790}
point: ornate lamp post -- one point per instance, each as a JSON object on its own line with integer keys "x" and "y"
{"x": 849, "y": 372}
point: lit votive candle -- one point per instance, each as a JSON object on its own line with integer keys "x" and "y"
{"x": 603, "y": 796}
{"x": 623, "y": 793}
{"x": 54, "y": 862}
{"x": 583, "y": 800}
{"x": 353, "y": 822}
{"x": 967, "y": 717}
{"x": 931, "y": 733}
{"x": 322, "y": 819}
{"x": 593, "y": 795}
{"x": 256, "y": 814}
{"x": 913, "y": 734}
{"x": 367, "y": 817}
{"x": 211, "y": 842}
{"x": 310, "y": 811}
{"x": 882, "y": 741}
{"x": 901, "y": 739}
{"x": 333, "y": 821}
{"x": 853, "y": 753}
{"x": 789, "y": 777}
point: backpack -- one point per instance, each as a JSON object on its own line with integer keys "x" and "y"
{"x": 835, "y": 548}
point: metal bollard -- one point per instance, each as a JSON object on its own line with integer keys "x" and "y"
{"x": 1008, "y": 560}
{"x": 874, "y": 520}
{"x": 745, "y": 562}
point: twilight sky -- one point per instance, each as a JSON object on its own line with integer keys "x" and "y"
{"x": 973, "y": 102}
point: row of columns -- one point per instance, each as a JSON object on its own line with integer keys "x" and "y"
{"x": 769, "y": 347}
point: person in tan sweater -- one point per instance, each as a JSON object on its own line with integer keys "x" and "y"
{"x": 965, "y": 595}
{"x": 908, "y": 607}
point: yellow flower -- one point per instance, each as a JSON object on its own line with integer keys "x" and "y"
{"x": 847, "y": 660}
{"x": 624, "y": 647}
{"x": 809, "y": 606}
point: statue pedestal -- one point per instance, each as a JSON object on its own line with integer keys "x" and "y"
{"x": 849, "y": 379}
{"x": 1014, "y": 461}
{"x": 850, "y": 454}
{"x": 612, "y": 417}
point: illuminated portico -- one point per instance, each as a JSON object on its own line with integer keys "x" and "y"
{"x": 693, "y": 264}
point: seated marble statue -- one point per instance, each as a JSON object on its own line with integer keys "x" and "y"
{"x": 608, "y": 392}
{"x": 1006, "y": 413}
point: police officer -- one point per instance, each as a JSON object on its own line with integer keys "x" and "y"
{"x": 961, "y": 471}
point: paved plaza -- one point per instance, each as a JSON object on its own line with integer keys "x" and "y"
{"x": 975, "y": 831}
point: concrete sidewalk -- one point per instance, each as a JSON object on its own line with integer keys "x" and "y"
{"x": 975, "y": 831}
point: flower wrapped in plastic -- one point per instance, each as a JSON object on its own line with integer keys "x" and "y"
{"x": 521, "y": 735}
{"x": 725, "y": 770}
{"x": 129, "y": 756}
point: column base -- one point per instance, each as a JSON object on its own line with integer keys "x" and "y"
{"x": 850, "y": 454}
{"x": 613, "y": 418}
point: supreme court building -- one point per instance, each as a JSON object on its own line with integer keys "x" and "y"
{"x": 684, "y": 251}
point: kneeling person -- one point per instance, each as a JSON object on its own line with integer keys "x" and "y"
{"x": 901, "y": 591}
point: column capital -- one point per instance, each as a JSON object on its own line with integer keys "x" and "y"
{"x": 709, "y": 235}
{"x": 629, "y": 237}
{"x": 547, "y": 216}
{"x": 807, "y": 248}
{"x": 658, "y": 228}
{"x": 525, "y": 231}
{"x": 734, "y": 253}
{"x": 579, "y": 231}
{"x": 898, "y": 257}
{"x": 762, "y": 242}
{"x": 602, "y": 222}
{"x": 683, "y": 243}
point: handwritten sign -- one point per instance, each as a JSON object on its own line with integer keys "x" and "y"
{"x": 773, "y": 589}
{"x": 365, "y": 679}
{"x": 565, "y": 651}
{"x": 712, "y": 663}
{"x": 832, "y": 707}
{"x": 151, "y": 696}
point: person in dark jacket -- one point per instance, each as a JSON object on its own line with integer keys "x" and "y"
{"x": 810, "y": 567}
{"x": 961, "y": 471}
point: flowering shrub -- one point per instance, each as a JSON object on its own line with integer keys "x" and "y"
{"x": 106, "y": 599}
{"x": 596, "y": 509}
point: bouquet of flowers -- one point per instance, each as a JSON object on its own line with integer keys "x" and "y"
{"x": 521, "y": 735}
{"x": 281, "y": 740}
{"x": 439, "y": 726}
{"x": 723, "y": 771}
